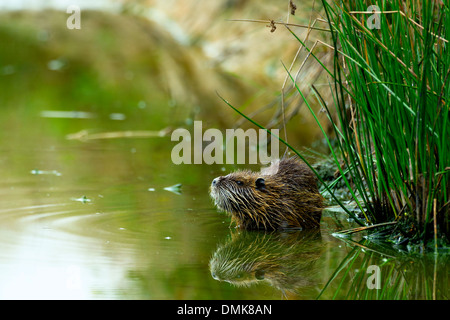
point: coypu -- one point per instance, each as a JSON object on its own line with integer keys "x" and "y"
{"x": 282, "y": 196}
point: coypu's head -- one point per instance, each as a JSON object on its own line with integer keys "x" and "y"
{"x": 276, "y": 197}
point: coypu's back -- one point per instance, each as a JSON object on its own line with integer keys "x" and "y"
{"x": 284, "y": 195}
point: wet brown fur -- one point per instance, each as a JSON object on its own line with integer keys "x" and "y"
{"x": 284, "y": 195}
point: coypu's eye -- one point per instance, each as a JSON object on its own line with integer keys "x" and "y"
{"x": 260, "y": 184}
{"x": 239, "y": 183}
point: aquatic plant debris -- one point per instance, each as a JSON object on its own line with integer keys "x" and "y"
{"x": 67, "y": 114}
{"x": 84, "y": 135}
{"x": 82, "y": 199}
{"x": 175, "y": 188}
{"x": 117, "y": 116}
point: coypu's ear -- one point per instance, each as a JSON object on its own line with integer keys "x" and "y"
{"x": 260, "y": 184}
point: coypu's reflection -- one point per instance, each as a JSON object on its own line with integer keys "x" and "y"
{"x": 286, "y": 260}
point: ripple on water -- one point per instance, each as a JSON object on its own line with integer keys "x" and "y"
{"x": 43, "y": 245}
{"x": 77, "y": 225}
{"x": 46, "y": 247}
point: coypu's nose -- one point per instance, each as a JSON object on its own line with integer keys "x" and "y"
{"x": 216, "y": 181}
{"x": 215, "y": 277}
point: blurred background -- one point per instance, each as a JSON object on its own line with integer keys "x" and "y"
{"x": 158, "y": 63}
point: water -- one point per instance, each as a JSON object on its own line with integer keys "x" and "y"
{"x": 80, "y": 222}
{"x": 93, "y": 220}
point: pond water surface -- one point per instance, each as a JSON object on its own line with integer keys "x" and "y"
{"x": 94, "y": 220}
